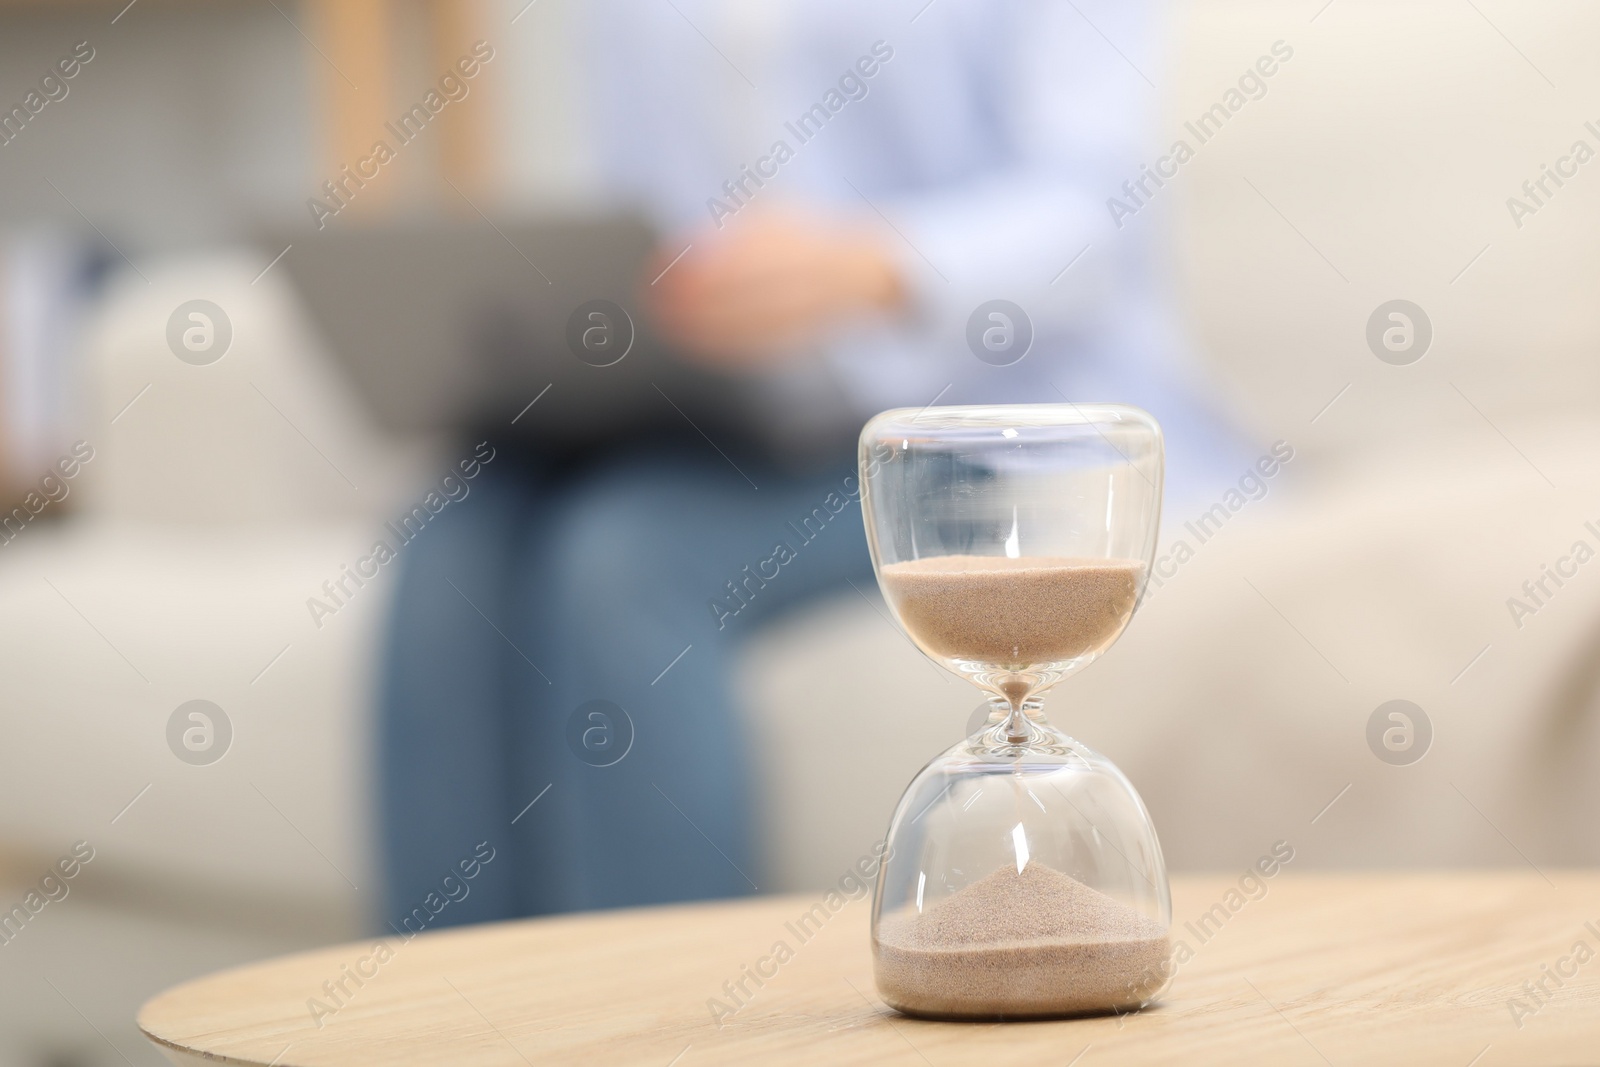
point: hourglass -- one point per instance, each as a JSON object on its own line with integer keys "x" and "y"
{"x": 1023, "y": 877}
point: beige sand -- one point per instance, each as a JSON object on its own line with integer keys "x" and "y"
{"x": 1036, "y": 944}
{"x": 1013, "y": 613}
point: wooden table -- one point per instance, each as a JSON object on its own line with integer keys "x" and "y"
{"x": 1324, "y": 969}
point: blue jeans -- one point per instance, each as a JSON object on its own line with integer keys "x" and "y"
{"x": 631, "y": 581}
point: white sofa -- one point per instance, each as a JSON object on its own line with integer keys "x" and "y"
{"x": 214, "y": 506}
{"x": 1379, "y": 565}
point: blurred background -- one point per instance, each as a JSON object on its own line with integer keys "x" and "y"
{"x": 1428, "y": 487}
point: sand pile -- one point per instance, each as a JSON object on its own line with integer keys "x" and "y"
{"x": 1015, "y": 945}
{"x": 1013, "y": 612}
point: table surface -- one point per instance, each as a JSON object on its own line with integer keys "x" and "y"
{"x": 1322, "y": 969}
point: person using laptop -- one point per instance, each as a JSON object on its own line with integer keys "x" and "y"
{"x": 863, "y": 206}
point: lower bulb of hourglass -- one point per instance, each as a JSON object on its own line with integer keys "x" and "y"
{"x": 1021, "y": 881}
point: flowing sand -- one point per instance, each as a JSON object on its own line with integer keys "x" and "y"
{"x": 1015, "y": 613}
{"x": 1036, "y": 944}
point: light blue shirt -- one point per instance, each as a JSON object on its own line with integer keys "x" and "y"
{"x": 985, "y": 145}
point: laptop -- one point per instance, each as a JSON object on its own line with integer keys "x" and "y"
{"x": 531, "y": 328}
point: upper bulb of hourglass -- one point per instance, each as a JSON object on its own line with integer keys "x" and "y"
{"x": 1012, "y": 543}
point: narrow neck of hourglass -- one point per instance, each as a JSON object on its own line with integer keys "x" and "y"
{"x": 1021, "y": 721}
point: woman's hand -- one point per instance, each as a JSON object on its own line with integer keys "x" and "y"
{"x": 747, "y": 294}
